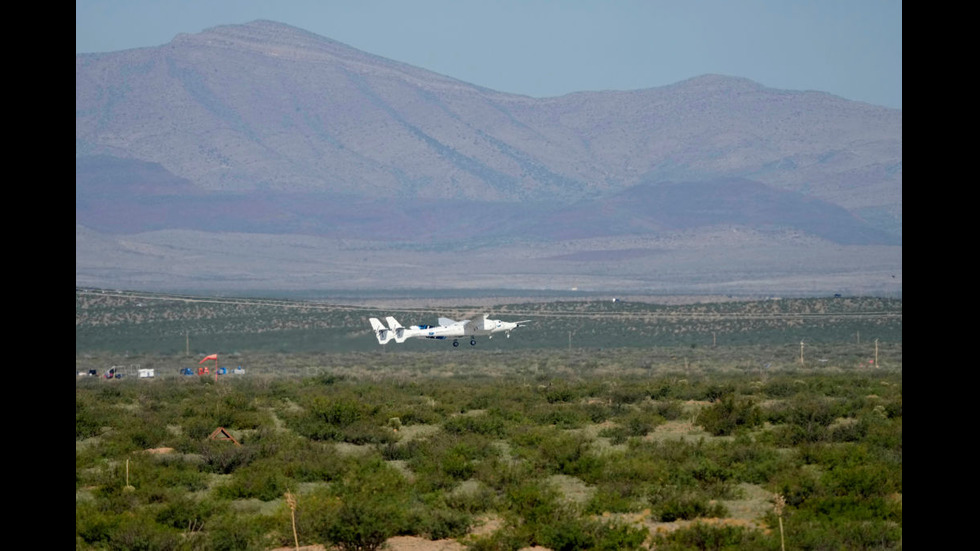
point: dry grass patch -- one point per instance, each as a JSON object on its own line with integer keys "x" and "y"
{"x": 571, "y": 488}
{"x": 348, "y": 449}
{"x": 407, "y": 433}
{"x": 678, "y": 430}
{"x": 755, "y": 503}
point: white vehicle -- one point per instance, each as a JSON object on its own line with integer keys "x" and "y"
{"x": 447, "y": 329}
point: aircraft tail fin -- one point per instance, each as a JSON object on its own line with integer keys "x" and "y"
{"x": 399, "y": 333}
{"x": 393, "y": 323}
{"x": 381, "y": 332}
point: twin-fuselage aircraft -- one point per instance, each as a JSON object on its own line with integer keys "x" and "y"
{"x": 447, "y": 329}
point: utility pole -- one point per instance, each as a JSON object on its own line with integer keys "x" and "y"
{"x": 876, "y": 354}
{"x": 187, "y": 343}
{"x": 801, "y": 353}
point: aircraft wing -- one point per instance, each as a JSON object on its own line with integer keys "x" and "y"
{"x": 446, "y": 322}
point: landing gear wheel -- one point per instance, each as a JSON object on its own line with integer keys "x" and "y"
{"x": 455, "y": 343}
{"x": 472, "y": 342}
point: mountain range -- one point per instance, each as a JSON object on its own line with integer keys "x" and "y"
{"x": 264, "y": 157}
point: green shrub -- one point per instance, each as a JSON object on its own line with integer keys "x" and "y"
{"x": 560, "y": 393}
{"x": 537, "y": 517}
{"x": 670, "y": 410}
{"x": 262, "y": 479}
{"x": 701, "y": 536}
{"x": 669, "y": 503}
{"x": 807, "y": 419}
{"x": 167, "y": 474}
{"x": 612, "y": 497}
{"x": 87, "y": 418}
{"x": 728, "y": 414}
{"x": 187, "y": 513}
{"x": 569, "y": 454}
{"x": 687, "y": 507}
{"x": 231, "y": 531}
{"x": 753, "y": 461}
{"x": 812, "y": 534}
{"x": 94, "y": 527}
{"x": 500, "y": 474}
{"x": 221, "y": 457}
{"x": 487, "y": 424}
{"x": 441, "y": 523}
{"x": 372, "y": 504}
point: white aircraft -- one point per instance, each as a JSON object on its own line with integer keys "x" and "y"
{"x": 382, "y": 332}
{"x": 447, "y": 329}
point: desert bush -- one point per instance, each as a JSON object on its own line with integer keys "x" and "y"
{"x": 752, "y": 461}
{"x": 728, "y": 414}
{"x": 818, "y": 535}
{"x": 562, "y": 416}
{"x": 440, "y": 522}
{"x": 635, "y": 423}
{"x": 444, "y": 459}
{"x": 559, "y": 393}
{"x": 615, "y": 497}
{"x": 487, "y": 424}
{"x": 627, "y": 395}
{"x": 701, "y": 536}
{"x": 713, "y": 392}
{"x": 797, "y": 486}
{"x": 93, "y": 526}
{"x": 232, "y": 531}
{"x": 136, "y": 532}
{"x": 780, "y": 387}
{"x": 670, "y": 410}
{"x": 262, "y": 479}
{"x": 338, "y": 412}
{"x": 806, "y": 418}
{"x": 874, "y": 479}
{"x": 88, "y": 417}
{"x": 415, "y": 412}
{"x": 499, "y": 474}
{"x": 370, "y": 504}
{"x": 224, "y": 457}
{"x": 670, "y": 502}
{"x": 643, "y": 421}
{"x": 187, "y": 513}
{"x": 472, "y": 500}
{"x": 597, "y": 412}
{"x": 366, "y": 431}
{"x": 536, "y": 516}
{"x": 172, "y": 473}
{"x": 568, "y": 454}
{"x": 341, "y": 420}
{"x": 616, "y": 434}
{"x": 312, "y": 463}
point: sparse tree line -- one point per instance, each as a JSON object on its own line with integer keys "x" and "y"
{"x": 368, "y": 457}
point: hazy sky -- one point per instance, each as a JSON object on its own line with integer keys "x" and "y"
{"x": 540, "y": 48}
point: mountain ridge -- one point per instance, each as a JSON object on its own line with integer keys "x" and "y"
{"x": 315, "y": 125}
{"x": 267, "y": 130}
